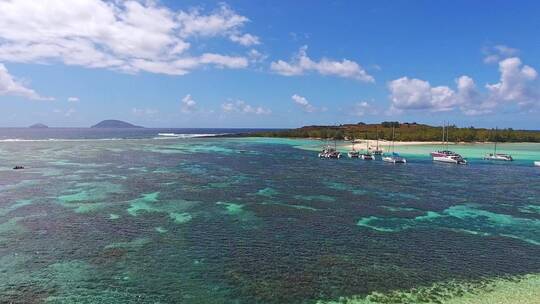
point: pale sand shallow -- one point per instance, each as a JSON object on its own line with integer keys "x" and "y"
{"x": 519, "y": 290}
{"x": 384, "y": 144}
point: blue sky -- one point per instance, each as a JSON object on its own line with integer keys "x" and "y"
{"x": 269, "y": 63}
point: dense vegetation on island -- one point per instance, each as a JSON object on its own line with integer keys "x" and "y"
{"x": 116, "y": 124}
{"x": 405, "y": 132}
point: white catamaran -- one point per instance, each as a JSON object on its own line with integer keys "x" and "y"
{"x": 445, "y": 155}
{"x": 394, "y": 157}
{"x": 497, "y": 156}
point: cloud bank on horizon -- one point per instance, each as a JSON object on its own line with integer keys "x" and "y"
{"x": 147, "y": 37}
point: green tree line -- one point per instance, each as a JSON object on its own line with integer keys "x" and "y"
{"x": 406, "y": 132}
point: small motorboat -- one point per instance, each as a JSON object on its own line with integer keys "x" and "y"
{"x": 537, "y": 163}
{"x": 18, "y": 167}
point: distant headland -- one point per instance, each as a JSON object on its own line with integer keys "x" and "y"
{"x": 405, "y": 131}
{"x": 115, "y": 124}
{"x": 39, "y": 126}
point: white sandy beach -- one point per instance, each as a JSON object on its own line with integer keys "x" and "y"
{"x": 384, "y": 144}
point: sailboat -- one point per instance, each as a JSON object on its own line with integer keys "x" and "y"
{"x": 353, "y": 153}
{"x": 497, "y": 156}
{"x": 367, "y": 155}
{"x": 394, "y": 157}
{"x": 330, "y": 152}
{"x": 447, "y": 156}
{"x": 377, "y": 151}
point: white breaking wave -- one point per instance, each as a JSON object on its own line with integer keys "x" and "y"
{"x": 183, "y": 135}
{"x": 160, "y": 136}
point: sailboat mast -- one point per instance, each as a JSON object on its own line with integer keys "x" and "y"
{"x": 393, "y": 137}
{"x": 447, "y": 134}
{"x": 443, "y": 134}
{"x": 495, "y": 139}
{"x": 377, "y": 128}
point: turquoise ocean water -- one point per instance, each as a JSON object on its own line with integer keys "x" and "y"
{"x": 258, "y": 220}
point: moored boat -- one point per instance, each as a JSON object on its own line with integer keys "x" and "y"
{"x": 353, "y": 153}
{"x": 393, "y": 157}
{"x": 497, "y": 156}
{"x": 377, "y": 151}
{"x": 330, "y": 152}
{"x": 447, "y": 156}
{"x": 367, "y": 156}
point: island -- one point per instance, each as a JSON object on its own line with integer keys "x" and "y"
{"x": 115, "y": 124}
{"x": 38, "y": 126}
{"x": 404, "y": 132}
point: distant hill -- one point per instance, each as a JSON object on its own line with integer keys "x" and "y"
{"x": 114, "y": 124}
{"x": 38, "y": 126}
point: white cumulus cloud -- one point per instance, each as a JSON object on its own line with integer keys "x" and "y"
{"x": 240, "y": 106}
{"x": 498, "y": 52}
{"x": 516, "y": 83}
{"x": 301, "y": 64}
{"x": 518, "y": 86}
{"x": 245, "y": 39}
{"x": 303, "y": 103}
{"x": 128, "y": 36}
{"x": 363, "y": 108}
{"x": 188, "y": 104}
{"x": 73, "y": 99}
{"x": 10, "y": 86}
{"x": 144, "y": 112}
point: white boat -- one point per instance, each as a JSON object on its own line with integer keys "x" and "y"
{"x": 377, "y": 151}
{"x": 367, "y": 155}
{"x": 497, "y": 156}
{"x": 329, "y": 152}
{"x": 393, "y": 157}
{"x": 537, "y": 163}
{"x": 353, "y": 153}
{"x": 447, "y": 156}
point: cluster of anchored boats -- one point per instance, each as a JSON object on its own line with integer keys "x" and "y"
{"x": 443, "y": 156}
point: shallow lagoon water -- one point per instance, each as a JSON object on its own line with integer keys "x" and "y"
{"x": 254, "y": 220}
